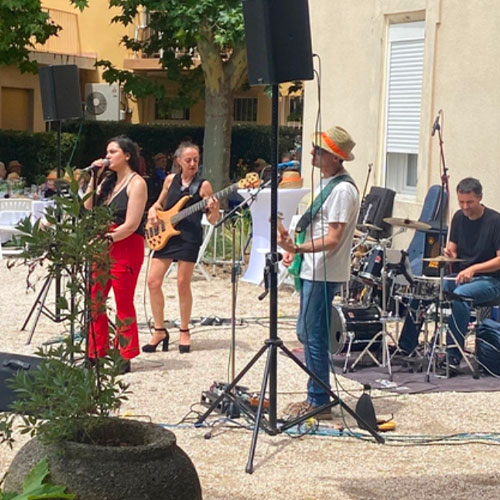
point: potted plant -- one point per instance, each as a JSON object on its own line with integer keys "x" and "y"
{"x": 69, "y": 407}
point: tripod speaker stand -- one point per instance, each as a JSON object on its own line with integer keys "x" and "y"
{"x": 273, "y": 343}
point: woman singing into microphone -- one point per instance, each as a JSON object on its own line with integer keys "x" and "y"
{"x": 125, "y": 191}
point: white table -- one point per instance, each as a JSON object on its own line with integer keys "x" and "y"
{"x": 288, "y": 200}
{"x": 10, "y": 216}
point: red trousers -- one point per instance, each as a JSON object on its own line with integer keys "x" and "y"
{"x": 127, "y": 257}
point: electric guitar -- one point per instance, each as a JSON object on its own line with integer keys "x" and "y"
{"x": 294, "y": 267}
{"x": 157, "y": 235}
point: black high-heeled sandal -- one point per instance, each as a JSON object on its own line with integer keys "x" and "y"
{"x": 184, "y": 348}
{"x": 163, "y": 342}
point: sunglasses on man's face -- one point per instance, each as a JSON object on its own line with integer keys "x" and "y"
{"x": 318, "y": 150}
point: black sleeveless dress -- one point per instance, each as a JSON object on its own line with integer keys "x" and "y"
{"x": 184, "y": 246}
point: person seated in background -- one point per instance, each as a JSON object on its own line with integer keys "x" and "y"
{"x": 157, "y": 178}
{"x": 50, "y": 188}
{"x": 14, "y": 167}
{"x": 263, "y": 169}
{"x": 3, "y": 171}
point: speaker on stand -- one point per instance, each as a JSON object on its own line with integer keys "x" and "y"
{"x": 61, "y": 100}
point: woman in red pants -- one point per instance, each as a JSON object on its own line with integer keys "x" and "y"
{"x": 125, "y": 191}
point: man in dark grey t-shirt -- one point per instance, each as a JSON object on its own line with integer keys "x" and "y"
{"x": 474, "y": 237}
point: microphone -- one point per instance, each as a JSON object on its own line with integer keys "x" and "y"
{"x": 292, "y": 163}
{"x": 105, "y": 164}
{"x": 436, "y": 125}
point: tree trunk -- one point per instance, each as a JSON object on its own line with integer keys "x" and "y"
{"x": 217, "y": 140}
{"x": 223, "y": 74}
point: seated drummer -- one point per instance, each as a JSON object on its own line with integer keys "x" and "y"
{"x": 474, "y": 237}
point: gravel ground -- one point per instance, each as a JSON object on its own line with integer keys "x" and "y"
{"x": 167, "y": 386}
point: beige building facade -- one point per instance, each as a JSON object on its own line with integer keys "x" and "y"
{"x": 387, "y": 69}
{"x": 89, "y": 36}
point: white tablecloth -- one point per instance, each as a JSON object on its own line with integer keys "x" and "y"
{"x": 288, "y": 200}
{"x": 10, "y": 218}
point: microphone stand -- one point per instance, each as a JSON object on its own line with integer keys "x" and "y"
{"x": 234, "y": 409}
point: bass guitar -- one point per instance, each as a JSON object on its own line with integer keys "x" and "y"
{"x": 157, "y": 235}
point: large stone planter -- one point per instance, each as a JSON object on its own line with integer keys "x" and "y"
{"x": 149, "y": 465}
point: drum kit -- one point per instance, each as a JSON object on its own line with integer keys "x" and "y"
{"x": 381, "y": 287}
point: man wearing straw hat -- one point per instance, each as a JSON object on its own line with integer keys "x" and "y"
{"x": 325, "y": 236}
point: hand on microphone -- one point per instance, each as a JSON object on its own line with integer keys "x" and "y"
{"x": 97, "y": 165}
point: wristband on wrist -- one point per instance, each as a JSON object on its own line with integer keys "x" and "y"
{"x": 296, "y": 248}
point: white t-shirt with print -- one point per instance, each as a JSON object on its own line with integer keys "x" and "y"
{"x": 342, "y": 205}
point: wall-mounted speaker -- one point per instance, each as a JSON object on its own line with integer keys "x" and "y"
{"x": 278, "y": 38}
{"x": 60, "y": 89}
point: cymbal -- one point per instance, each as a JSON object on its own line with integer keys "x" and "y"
{"x": 368, "y": 227}
{"x": 408, "y": 223}
{"x": 443, "y": 258}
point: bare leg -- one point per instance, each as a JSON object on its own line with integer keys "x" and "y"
{"x": 155, "y": 281}
{"x": 184, "y": 276}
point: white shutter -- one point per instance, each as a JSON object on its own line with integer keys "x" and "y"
{"x": 406, "y": 59}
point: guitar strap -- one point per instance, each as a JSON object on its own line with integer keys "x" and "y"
{"x": 195, "y": 185}
{"x": 313, "y": 209}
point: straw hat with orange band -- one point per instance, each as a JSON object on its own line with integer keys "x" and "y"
{"x": 336, "y": 141}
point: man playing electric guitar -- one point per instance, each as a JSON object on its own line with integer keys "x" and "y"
{"x": 325, "y": 231}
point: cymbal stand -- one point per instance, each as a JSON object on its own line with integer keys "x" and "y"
{"x": 384, "y": 319}
{"x": 442, "y": 330}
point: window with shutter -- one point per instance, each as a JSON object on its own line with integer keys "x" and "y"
{"x": 403, "y": 108}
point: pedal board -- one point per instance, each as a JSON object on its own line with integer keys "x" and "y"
{"x": 241, "y": 396}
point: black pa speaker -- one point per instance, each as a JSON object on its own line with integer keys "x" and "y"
{"x": 278, "y": 38}
{"x": 10, "y": 364}
{"x": 60, "y": 88}
{"x": 377, "y": 205}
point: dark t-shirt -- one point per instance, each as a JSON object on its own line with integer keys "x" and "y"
{"x": 477, "y": 240}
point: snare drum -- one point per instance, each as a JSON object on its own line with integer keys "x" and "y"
{"x": 372, "y": 270}
{"x": 424, "y": 288}
{"x": 362, "y": 321}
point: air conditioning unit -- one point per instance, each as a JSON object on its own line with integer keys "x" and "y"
{"x": 102, "y": 101}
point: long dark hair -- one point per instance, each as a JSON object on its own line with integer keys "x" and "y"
{"x": 128, "y": 146}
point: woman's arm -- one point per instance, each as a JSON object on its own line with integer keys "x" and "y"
{"x": 160, "y": 202}
{"x": 213, "y": 204}
{"x": 137, "y": 196}
{"x": 88, "y": 203}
